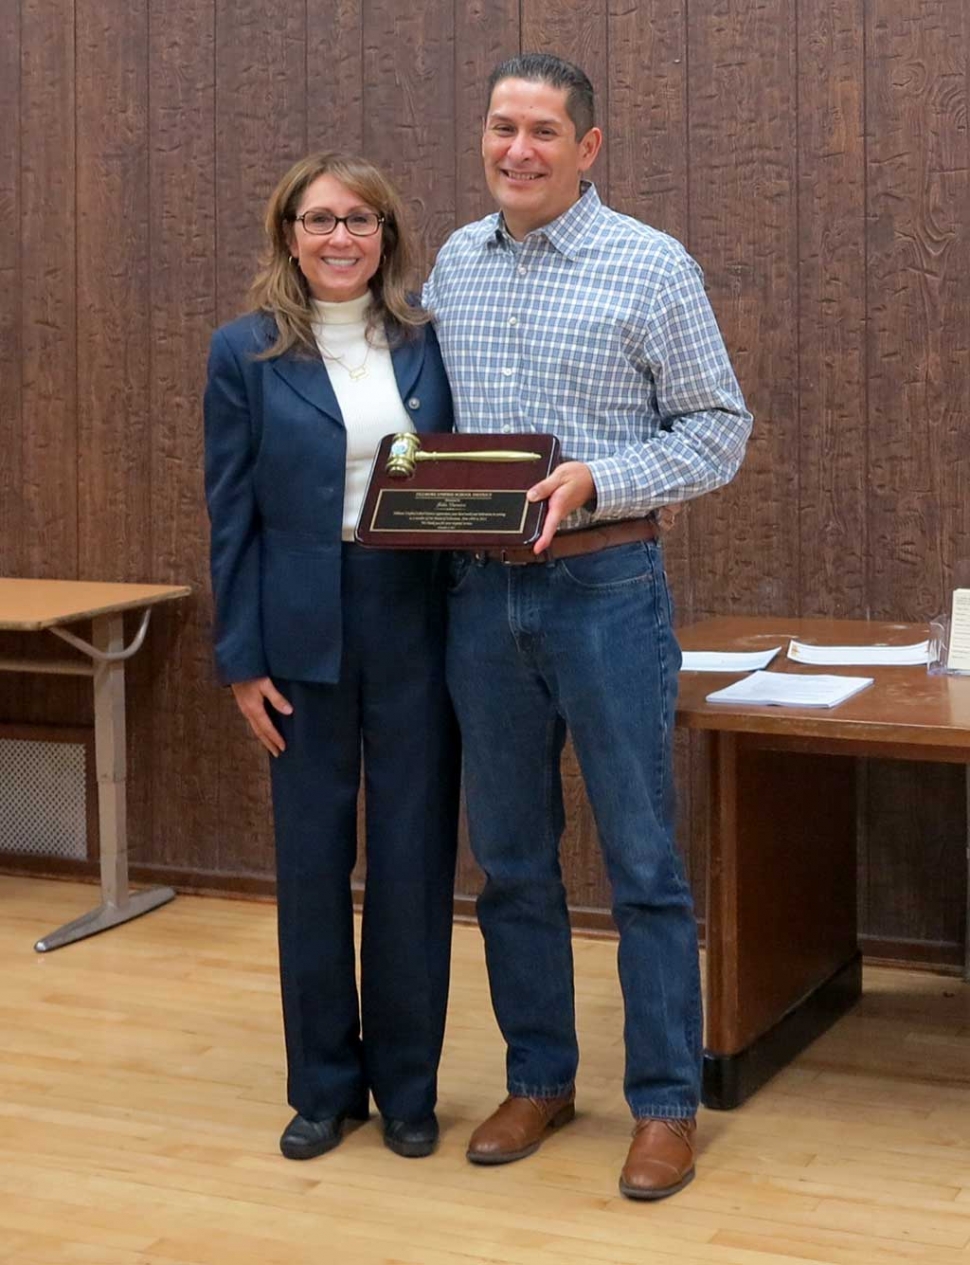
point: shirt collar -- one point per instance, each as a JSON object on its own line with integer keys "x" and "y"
{"x": 566, "y": 233}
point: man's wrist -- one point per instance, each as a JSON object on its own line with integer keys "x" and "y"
{"x": 590, "y": 505}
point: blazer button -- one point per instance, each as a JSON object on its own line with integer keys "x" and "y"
{"x": 414, "y": 402}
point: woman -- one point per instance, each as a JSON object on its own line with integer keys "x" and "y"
{"x": 332, "y": 650}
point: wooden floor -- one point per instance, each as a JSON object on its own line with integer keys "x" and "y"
{"x": 141, "y": 1096}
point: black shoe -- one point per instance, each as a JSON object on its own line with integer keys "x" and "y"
{"x": 413, "y": 1141}
{"x": 305, "y": 1139}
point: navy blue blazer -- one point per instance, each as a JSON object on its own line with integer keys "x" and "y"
{"x": 275, "y": 458}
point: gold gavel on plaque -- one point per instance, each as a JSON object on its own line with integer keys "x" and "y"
{"x": 406, "y": 451}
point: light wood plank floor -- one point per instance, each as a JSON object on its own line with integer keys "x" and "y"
{"x": 141, "y": 1096}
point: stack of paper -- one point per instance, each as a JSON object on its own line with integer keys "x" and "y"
{"x": 727, "y": 660}
{"x": 958, "y": 658}
{"x": 787, "y": 689}
{"x": 869, "y": 655}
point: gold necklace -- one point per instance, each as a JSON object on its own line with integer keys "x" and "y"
{"x": 356, "y": 371}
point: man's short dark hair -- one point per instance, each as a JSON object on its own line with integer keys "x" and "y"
{"x": 557, "y": 73}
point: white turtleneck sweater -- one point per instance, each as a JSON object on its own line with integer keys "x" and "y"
{"x": 371, "y": 405}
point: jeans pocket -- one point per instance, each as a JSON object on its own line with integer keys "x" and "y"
{"x": 614, "y": 568}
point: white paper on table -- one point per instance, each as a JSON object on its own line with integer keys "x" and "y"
{"x": 727, "y": 660}
{"x": 958, "y": 657}
{"x": 790, "y": 689}
{"x": 872, "y": 656}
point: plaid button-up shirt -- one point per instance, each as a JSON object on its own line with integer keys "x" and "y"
{"x": 597, "y": 329}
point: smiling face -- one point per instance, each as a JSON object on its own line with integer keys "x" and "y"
{"x": 533, "y": 157}
{"x": 338, "y": 266}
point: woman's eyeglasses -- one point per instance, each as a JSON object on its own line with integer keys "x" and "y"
{"x": 357, "y": 223}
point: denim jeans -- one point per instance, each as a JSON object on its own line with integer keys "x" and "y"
{"x": 582, "y": 643}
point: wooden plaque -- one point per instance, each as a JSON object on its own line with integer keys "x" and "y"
{"x": 454, "y": 491}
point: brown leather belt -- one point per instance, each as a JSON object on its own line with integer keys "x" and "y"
{"x": 571, "y": 543}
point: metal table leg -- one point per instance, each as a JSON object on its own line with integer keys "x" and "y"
{"x": 118, "y": 904}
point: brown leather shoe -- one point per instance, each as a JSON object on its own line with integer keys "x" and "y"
{"x": 517, "y": 1127}
{"x": 661, "y": 1159}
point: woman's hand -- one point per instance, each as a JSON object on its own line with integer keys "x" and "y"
{"x": 252, "y": 697}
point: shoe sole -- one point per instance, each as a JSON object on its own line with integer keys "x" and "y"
{"x": 562, "y": 1117}
{"x": 634, "y": 1192}
{"x": 315, "y": 1149}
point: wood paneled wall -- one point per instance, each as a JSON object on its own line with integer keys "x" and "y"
{"x": 813, "y": 155}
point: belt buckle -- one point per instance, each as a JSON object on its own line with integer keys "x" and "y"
{"x": 481, "y": 556}
{"x": 529, "y": 559}
{"x": 502, "y": 556}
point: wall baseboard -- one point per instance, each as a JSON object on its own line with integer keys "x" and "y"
{"x": 929, "y": 955}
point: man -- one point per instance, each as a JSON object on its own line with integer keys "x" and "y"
{"x": 558, "y": 314}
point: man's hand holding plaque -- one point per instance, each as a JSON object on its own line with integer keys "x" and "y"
{"x": 450, "y": 491}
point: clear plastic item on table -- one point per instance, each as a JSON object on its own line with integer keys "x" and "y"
{"x": 949, "y": 653}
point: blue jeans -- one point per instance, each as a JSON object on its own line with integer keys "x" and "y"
{"x": 582, "y": 643}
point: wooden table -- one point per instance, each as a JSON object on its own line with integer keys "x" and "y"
{"x": 783, "y": 961}
{"x": 37, "y": 605}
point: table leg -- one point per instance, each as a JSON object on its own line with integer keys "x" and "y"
{"x": 782, "y": 957}
{"x": 118, "y": 904}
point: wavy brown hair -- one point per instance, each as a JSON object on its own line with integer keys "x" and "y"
{"x": 280, "y": 289}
